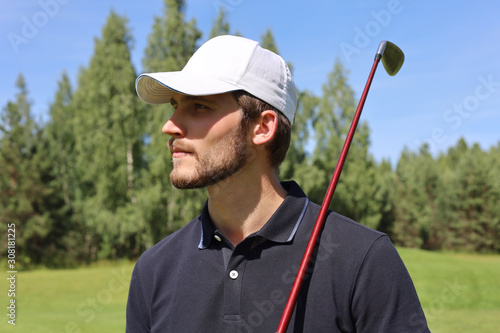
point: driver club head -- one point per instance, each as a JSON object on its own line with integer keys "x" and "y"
{"x": 392, "y": 57}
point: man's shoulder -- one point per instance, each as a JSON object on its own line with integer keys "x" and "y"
{"x": 345, "y": 245}
{"x": 346, "y": 224}
{"x": 346, "y": 232}
{"x": 343, "y": 223}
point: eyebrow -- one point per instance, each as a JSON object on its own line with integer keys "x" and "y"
{"x": 191, "y": 98}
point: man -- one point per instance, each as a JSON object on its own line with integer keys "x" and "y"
{"x": 231, "y": 268}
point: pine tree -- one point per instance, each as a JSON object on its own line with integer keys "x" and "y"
{"x": 468, "y": 199}
{"x": 63, "y": 245}
{"x": 23, "y": 188}
{"x": 60, "y": 133}
{"x": 109, "y": 131}
{"x": 493, "y": 215}
{"x": 386, "y": 182}
{"x": 417, "y": 183}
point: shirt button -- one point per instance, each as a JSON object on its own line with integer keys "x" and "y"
{"x": 217, "y": 237}
{"x": 233, "y": 274}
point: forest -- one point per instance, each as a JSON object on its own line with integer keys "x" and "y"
{"x": 92, "y": 182}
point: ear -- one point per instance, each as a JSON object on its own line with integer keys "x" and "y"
{"x": 265, "y": 127}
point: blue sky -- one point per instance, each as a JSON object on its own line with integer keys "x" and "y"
{"x": 449, "y": 86}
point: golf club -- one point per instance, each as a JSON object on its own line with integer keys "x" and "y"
{"x": 392, "y": 59}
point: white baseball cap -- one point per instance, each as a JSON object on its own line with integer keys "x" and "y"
{"x": 224, "y": 64}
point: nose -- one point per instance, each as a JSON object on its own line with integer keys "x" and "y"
{"x": 173, "y": 127}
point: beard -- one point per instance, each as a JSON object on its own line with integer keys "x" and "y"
{"x": 224, "y": 159}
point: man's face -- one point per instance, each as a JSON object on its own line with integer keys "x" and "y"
{"x": 208, "y": 143}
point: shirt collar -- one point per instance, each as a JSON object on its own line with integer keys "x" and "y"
{"x": 280, "y": 228}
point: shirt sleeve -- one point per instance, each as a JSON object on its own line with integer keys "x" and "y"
{"x": 138, "y": 309}
{"x": 384, "y": 297}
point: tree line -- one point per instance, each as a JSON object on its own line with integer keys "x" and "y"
{"x": 93, "y": 183}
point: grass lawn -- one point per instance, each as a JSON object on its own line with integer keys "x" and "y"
{"x": 70, "y": 301}
{"x": 459, "y": 293}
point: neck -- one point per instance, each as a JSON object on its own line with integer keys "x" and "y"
{"x": 240, "y": 206}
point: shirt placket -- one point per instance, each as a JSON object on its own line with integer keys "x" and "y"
{"x": 233, "y": 283}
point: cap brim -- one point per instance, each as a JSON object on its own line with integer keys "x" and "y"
{"x": 157, "y": 88}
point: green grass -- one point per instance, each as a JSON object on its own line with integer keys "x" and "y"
{"x": 69, "y": 301}
{"x": 459, "y": 293}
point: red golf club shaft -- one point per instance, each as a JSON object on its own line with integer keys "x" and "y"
{"x": 320, "y": 221}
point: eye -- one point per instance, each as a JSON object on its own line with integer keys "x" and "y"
{"x": 199, "y": 106}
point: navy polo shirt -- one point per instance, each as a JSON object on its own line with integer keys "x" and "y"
{"x": 196, "y": 281}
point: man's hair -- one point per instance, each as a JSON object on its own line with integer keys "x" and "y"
{"x": 252, "y": 107}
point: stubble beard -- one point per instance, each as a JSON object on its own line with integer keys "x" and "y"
{"x": 226, "y": 158}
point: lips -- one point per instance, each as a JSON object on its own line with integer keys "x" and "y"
{"x": 180, "y": 153}
{"x": 179, "y": 149}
